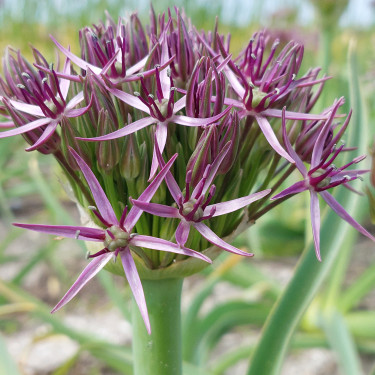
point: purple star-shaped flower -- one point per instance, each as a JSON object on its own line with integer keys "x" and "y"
{"x": 116, "y": 237}
{"x": 193, "y": 208}
{"x": 49, "y": 104}
{"x": 322, "y": 176}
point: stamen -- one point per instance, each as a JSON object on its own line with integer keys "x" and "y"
{"x": 111, "y": 234}
{"x": 77, "y": 234}
{"x": 123, "y": 216}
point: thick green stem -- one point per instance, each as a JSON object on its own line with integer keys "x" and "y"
{"x": 160, "y": 352}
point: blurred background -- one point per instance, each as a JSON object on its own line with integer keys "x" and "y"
{"x": 35, "y": 270}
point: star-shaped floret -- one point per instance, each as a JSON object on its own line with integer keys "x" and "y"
{"x": 116, "y": 236}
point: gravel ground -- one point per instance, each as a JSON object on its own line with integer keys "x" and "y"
{"x": 38, "y": 353}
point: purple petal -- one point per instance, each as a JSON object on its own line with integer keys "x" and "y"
{"x": 47, "y": 134}
{"x": 161, "y": 134}
{"x": 164, "y": 79}
{"x": 65, "y": 83}
{"x": 135, "y": 212}
{"x": 126, "y": 130}
{"x": 235, "y": 204}
{"x": 164, "y": 245}
{"x": 75, "y": 100}
{"x": 229, "y": 101}
{"x": 299, "y": 163}
{"x": 182, "y": 232}
{"x": 214, "y": 168}
{"x": 81, "y": 63}
{"x": 80, "y": 233}
{"x": 332, "y": 202}
{"x": 296, "y": 188}
{"x": 27, "y": 108}
{"x": 137, "y": 67}
{"x": 192, "y": 121}
{"x": 180, "y": 104}
{"x": 6, "y": 124}
{"x": 25, "y": 128}
{"x": 173, "y": 187}
{"x": 135, "y": 284}
{"x": 108, "y": 65}
{"x": 156, "y": 209}
{"x": 234, "y": 82}
{"x": 315, "y": 221}
{"x": 267, "y": 130}
{"x": 98, "y": 193}
{"x": 79, "y": 111}
{"x": 87, "y": 274}
{"x": 212, "y": 237}
{"x": 146, "y": 73}
{"x": 293, "y": 115}
{"x": 129, "y": 99}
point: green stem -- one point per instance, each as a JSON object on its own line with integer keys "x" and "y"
{"x": 160, "y": 352}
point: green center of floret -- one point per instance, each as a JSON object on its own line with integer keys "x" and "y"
{"x": 163, "y": 106}
{"x": 188, "y": 207}
{"x": 52, "y": 106}
{"x": 257, "y": 97}
{"x": 121, "y": 238}
{"x": 324, "y": 182}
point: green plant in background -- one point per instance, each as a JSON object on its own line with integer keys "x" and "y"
{"x": 240, "y": 130}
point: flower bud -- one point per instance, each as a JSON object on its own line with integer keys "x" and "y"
{"x": 230, "y": 129}
{"x": 130, "y": 161}
{"x": 201, "y": 155}
{"x": 107, "y": 152}
{"x": 69, "y": 137}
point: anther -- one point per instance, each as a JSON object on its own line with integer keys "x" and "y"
{"x": 169, "y": 72}
{"x": 27, "y": 75}
{"x": 136, "y": 93}
{"x": 92, "y": 208}
{"x": 253, "y": 56}
{"x": 77, "y": 234}
{"x": 293, "y": 76}
{"x": 19, "y": 85}
{"x": 87, "y": 254}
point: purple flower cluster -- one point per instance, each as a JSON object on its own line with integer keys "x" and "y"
{"x": 232, "y": 129}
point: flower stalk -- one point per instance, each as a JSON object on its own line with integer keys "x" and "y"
{"x": 159, "y": 353}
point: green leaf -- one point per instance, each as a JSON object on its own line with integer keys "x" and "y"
{"x": 7, "y": 365}
{"x": 310, "y": 274}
